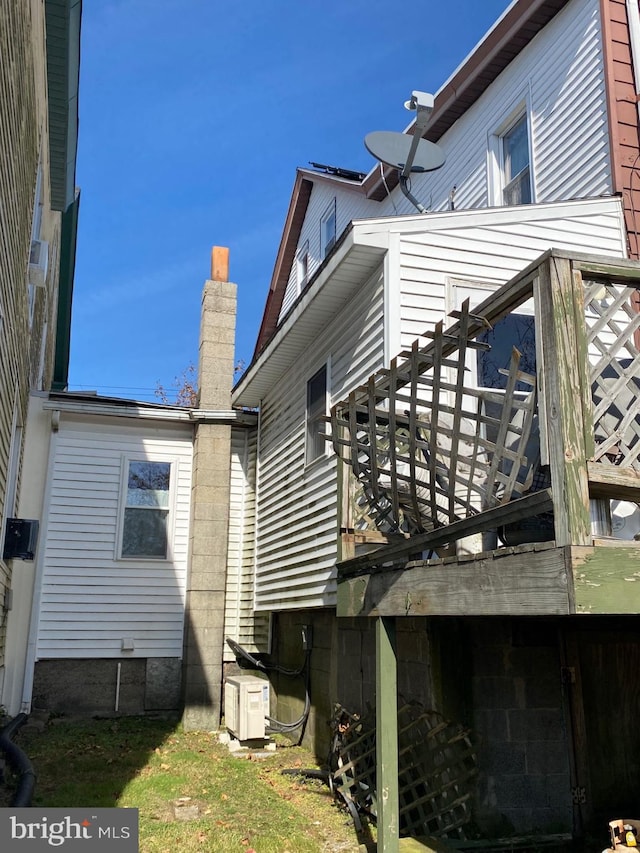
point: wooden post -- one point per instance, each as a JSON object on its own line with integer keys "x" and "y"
{"x": 563, "y": 332}
{"x": 388, "y": 816}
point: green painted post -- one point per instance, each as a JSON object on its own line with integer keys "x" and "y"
{"x": 388, "y": 816}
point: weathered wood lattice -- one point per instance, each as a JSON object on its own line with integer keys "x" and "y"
{"x": 612, "y": 331}
{"x": 436, "y": 771}
{"x": 426, "y": 447}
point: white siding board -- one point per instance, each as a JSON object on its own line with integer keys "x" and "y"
{"x": 429, "y": 259}
{"x": 90, "y": 600}
{"x": 242, "y": 623}
{"x": 297, "y": 505}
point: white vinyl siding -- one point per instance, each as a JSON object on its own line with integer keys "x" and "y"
{"x": 477, "y": 252}
{"x": 561, "y": 73}
{"x": 91, "y": 601}
{"x": 349, "y": 204}
{"x": 249, "y": 629}
{"x": 297, "y": 508}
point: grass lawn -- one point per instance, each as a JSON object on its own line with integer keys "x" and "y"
{"x": 243, "y": 805}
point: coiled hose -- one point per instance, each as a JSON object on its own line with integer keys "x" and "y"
{"x": 18, "y": 762}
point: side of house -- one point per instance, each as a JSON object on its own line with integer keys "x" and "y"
{"x": 39, "y": 46}
{"x": 530, "y": 125}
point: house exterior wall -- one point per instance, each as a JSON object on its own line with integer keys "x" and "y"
{"x": 471, "y": 246}
{"x": 249, "y": 629}
{"x": 561, "y": 75}
{"x": 26, "y": 344}
{"x": 297, "y": 503}
{"x": 91, "y": 599}
{"x": 297, "y": 533}
{"x": 349, "y": 204}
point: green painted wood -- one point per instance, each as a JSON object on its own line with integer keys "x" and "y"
{"x": 388, "y": 813}
{"x": 607, "y": 579}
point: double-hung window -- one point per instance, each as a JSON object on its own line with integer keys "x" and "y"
{"x": 316, "y": 412}
{"x": 510, "y": 160}
{"x": 146, "y": 504}
{"x": 328, "y": 229}
{"x": 302, "y": 266}
{"x": 516, "y": 163}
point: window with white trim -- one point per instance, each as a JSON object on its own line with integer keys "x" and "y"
{"x": 328, "y": 229}
{"x": 145, "y": 510}
{"x": 316, "y": 413}
{"x": 516, "y": 168}
{"x": 302, "y": 266}
{"x": 510, "y": 159}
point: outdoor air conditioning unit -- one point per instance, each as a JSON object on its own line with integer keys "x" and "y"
{"x": 246, "y": 704}
{"x": 38, "y": 263}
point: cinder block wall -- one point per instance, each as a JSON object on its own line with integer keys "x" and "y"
{"x": 499, "y": 677}
{"x": 518, "y": 721}
{"x": 90, "y": 687}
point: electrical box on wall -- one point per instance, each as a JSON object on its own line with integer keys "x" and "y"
{"x": 246, "y": 705}
{"x": 20, "y": 539}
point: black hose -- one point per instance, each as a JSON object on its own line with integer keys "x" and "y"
{"x": 18, "y": 762}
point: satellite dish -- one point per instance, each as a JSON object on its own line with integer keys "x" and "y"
{"x": 394, "y": 149}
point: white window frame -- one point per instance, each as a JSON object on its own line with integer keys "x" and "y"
{"x": 302, "y": 267}
{"x": 313, "y": 423}
{"x": 328, "y": 235}
{"x": 170, "y": 509}
{"x": 496, "y": 160}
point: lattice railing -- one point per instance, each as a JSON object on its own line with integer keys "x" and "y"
{"x": 426, "y": 447}
{"x": 612, "y": 328}
{"x": 436, "y": 771}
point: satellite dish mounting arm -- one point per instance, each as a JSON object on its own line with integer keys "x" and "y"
{"x": 422, "y": 103}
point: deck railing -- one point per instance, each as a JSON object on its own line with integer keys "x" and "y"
{"x": 459, "y": 429}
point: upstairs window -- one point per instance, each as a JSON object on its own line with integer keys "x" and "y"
{"x": 146, "y": 509}
{"x": 328, "y": 229}
{"x": 516, "y": 170}
{"x": 316, "y": 412}
{"x": 302, "y": 266}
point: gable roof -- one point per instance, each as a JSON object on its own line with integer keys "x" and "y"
{"x": 505, "y": 40}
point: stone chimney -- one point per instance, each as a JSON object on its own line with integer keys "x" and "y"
{"x": 205, "y": 604}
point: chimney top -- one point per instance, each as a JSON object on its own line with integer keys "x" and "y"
{"x": 219, "y": 263}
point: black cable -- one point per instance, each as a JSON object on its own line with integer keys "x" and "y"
{"x": 277, "y": 726}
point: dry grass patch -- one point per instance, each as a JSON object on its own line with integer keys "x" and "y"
{"x": 233, "y": 804}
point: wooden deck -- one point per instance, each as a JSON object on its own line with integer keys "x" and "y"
{"x": 431, "y": 461}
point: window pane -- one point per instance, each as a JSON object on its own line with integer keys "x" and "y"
{"x": 514, "y": 330}
{"x": 519, "y": 190}
{"x": 144, "y": 533}
{"x": 516, "y": 150}
{"x": 148, "y": 484}
{"x": 316, "y": 410}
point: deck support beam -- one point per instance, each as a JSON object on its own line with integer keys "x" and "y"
{"x": 388, "y": 804}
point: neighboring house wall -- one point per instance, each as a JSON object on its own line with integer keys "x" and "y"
{"x": 94, "y": 604}
{"x": 247, "y": 628}
{"x": 27, "y": 311}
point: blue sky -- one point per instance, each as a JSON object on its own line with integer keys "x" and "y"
{"x": 194, "y": 115}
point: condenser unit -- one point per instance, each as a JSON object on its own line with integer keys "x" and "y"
{"x": 246, "y": 704}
